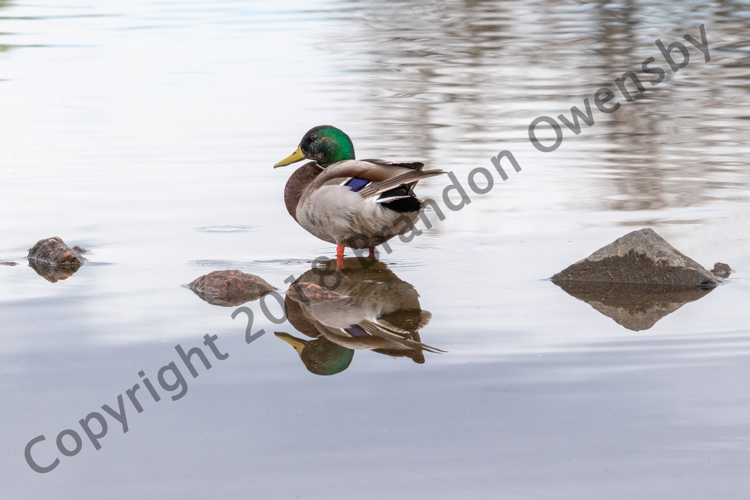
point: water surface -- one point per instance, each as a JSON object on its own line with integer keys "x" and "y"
{"x": 146, "y": 132}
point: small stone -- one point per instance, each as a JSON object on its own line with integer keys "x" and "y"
{"x": 721, "y": 270}
{"x": 55, "y": 252}
{"x": 8, "y": 263}
{"x": 229, "y": 288}
{"x": 641, "y": 257}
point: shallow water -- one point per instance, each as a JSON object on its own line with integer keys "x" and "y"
{"x": 146, "y": 132}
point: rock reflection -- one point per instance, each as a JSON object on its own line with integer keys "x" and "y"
{"x": 369, "y": 309}
{"x": 635, "y": 307}
{"x": 54, "y": 273}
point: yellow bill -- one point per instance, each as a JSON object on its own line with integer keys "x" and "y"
{"x": 296, "y": 156}
{"x": 298, "y": 344}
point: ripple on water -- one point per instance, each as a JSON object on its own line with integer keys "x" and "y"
{"x": 226, "y": 229}
{"x": 255, "y": 264}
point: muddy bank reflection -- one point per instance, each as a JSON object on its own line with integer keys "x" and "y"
{"x": 635, "y": 307}
{"x": 370, "y": 308}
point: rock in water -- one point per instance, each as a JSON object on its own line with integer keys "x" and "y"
{"x": 55, "y": 252}
{"x": 53, "y": 260}
{"x": 229, "y": 288}
{"x": 641, "y": 257}
{"x": 721, "y": 270}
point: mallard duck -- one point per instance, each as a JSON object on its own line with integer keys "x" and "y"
{"x": 348, "y": 202}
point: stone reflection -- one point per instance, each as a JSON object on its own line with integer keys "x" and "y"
{"x": 635, "y": 307}
{"x": 54, "y": 273}
{"x": 370, "y": 308}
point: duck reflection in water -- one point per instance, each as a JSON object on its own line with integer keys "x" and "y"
{"x": 363, "y": 306}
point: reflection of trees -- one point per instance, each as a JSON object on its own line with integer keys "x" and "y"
{"x": 4, "y": 47}
{"x": 448, "y": 82}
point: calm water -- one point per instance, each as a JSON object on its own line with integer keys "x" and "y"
{"x": 146, "y": 132}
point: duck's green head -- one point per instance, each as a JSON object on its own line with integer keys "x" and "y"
{"x": 320, "y": 356}
{"x": 324, "y": 144}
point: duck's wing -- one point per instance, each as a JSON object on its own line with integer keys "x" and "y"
{"x": 414, "y": 165}
{"x": 375, "y": 176}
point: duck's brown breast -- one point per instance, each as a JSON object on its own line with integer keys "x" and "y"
{"x": 299, "y": 180}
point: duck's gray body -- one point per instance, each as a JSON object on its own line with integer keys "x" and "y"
{"x": 321, "y": 202}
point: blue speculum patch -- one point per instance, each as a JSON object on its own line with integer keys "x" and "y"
{"x": 357, "y": 184}
{"x": 355, "y": 331}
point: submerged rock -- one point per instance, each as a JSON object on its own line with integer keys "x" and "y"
{"x": 229, "y": 288}
{"x": 53, "y": 260}
{"x": 721, "y": 270}
{"x": 8, "y": 263}
{"x": 55, "y": 252}
{"x": 636, "y": 307}
{"x": 640, "y": 257}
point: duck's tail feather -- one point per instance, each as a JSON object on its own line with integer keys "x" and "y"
{"x": 400, "y": 199}
{"x": 397, "y": 335}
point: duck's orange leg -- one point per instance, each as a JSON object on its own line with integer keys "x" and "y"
{"x": 372, "y": 252}
{"x": 339, "y": 256}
